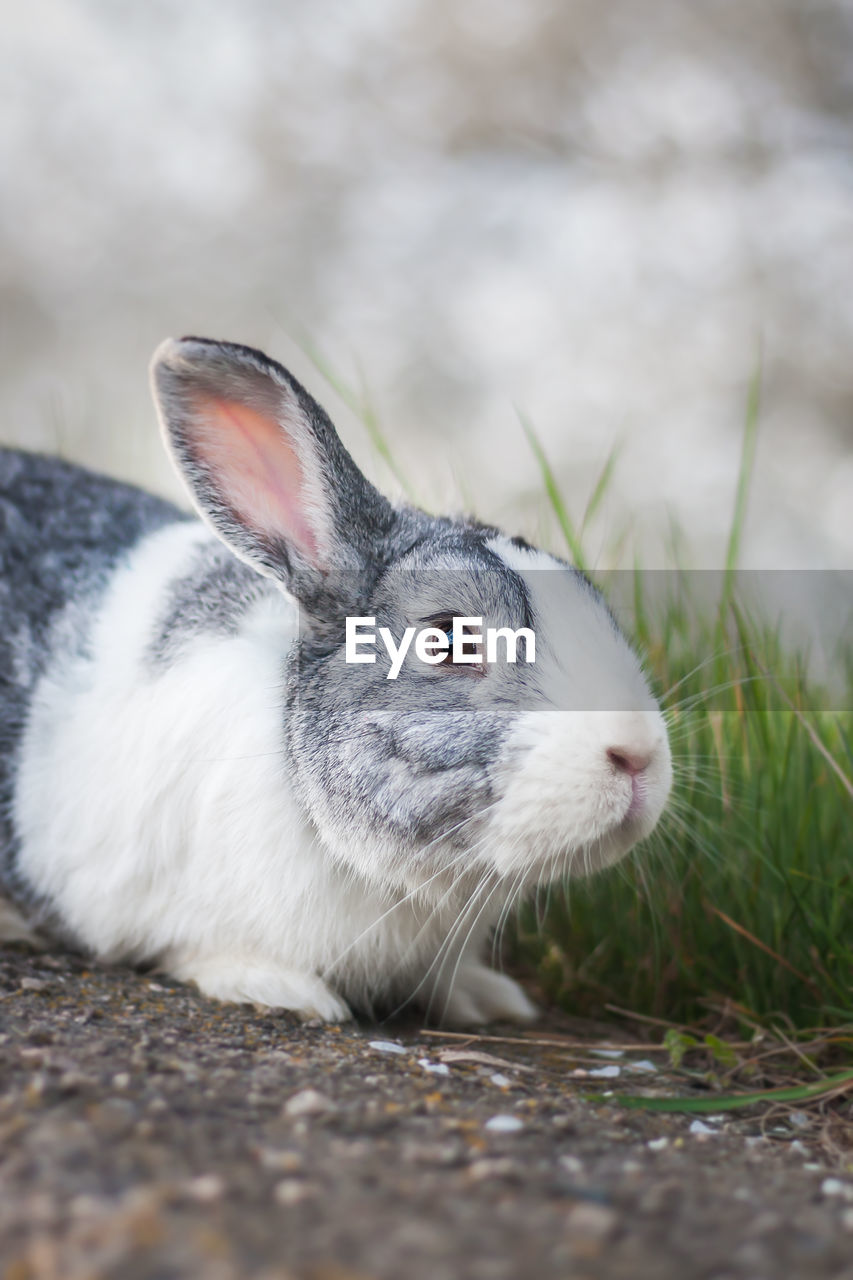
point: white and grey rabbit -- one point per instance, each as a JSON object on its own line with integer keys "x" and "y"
{"x": 191, "y": 774}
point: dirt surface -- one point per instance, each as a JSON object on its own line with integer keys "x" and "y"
{"x": 146, "y": 1132}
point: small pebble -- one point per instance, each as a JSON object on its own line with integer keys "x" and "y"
{"x": 482, "y": 1170}
{"x": 88, "y": 1206}
{"x": 657, "y": 1144}
{"x": 72, "y": 1081}
{"x": 700, "y": 1129}
{"x": 642, "y": 1064}
{"x": 435, "y": 1068}
{"x": 503, "y": 1082}
{"x": 504, "y": 1124}
{"x": 34, "y": 1054}
{"x": 836, "y": 1188}
{"x": 847, "y": 1219}
{"x": 308, "y": 1103}
{"x": 121, "y": 1080}
{"x": 799, "y": 1120}
{"x": 571, "y": 1164}
{"x": 387, "y": 1046}
{"x": 590, "y": 1221}
{"x": 606, "y": 1073}
{"x": 292, "y": 1191}
{"x": 431, "y": 1153}
{"x": 205, "y": 1189}
{"x": 280, "y": 1161}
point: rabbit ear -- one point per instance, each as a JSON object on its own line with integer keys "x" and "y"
{"x": 264, "y": 464}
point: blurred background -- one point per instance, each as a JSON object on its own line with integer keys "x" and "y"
{"x": 598, "y": 213}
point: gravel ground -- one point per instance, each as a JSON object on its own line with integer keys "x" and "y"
{"x": 146, "y": 1132}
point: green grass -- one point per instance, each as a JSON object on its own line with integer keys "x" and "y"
{"x": 743, "y": 898}
{"x": 745, "y": 893}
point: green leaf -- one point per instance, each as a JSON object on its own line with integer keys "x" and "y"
{"x": 677, "y": 1043}
{"x": 735, "y": 1101}
{"x": 721, "y": 1052}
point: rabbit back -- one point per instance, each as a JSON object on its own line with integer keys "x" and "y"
{"x": 63, "y": 529}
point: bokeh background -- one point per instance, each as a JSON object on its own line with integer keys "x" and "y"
{"x": 595, "y": 212}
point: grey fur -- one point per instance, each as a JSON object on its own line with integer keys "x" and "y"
{"x": 212, "y": 597}
{"x": 409, "y": 760}
{"x": 62, "y": 531}
{"x": 362, "y": 517}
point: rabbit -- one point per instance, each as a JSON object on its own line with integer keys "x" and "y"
{"x": 194, "y": 777}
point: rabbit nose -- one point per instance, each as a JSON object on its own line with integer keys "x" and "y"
{"x": 627, "y": 761}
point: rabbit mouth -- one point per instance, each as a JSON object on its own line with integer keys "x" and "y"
{"x": 639, "y": 798}
{"x": 557, "y": 840}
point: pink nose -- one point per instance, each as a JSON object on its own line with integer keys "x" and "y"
{"x": 628, "y": 761}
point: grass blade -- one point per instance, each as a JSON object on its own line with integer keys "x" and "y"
{"x": 736, "y": 1101}
{"x": 756, "y": 942}
{"x": 361, "y": 404}
{"x": 552, "y": 489}
{"x": 601, "y": 486}
{"x": 747, "y": 462}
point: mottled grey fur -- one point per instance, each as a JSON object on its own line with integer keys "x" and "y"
{"x": 212, "y": 597}
{"x": 62, "y": 530}
{"x": 411, "y": 759}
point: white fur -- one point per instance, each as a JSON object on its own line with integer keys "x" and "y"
{"x": 171, "y": 831}
{"x": 485, "y": 996}
{"x": 562, "y": 789}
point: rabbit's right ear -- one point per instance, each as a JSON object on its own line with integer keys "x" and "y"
{"x": 264, "y": 465}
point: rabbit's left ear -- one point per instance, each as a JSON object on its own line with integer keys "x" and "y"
{"x": 264, "y": 465}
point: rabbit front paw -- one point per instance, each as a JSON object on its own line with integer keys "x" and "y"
{"x": 252, "y": 982}
{"x": 479, "y": 994}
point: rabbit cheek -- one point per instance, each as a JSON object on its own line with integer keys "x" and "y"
{"x": 575, "y": 800}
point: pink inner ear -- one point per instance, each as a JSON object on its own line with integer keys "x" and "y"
{"x": 255, "y": 469}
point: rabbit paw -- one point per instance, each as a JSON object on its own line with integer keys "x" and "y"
{"x": 478, "y": 995}
{"x": 251, "y": 982}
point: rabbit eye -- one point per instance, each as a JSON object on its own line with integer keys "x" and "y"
{"x": 445, "y": 624}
